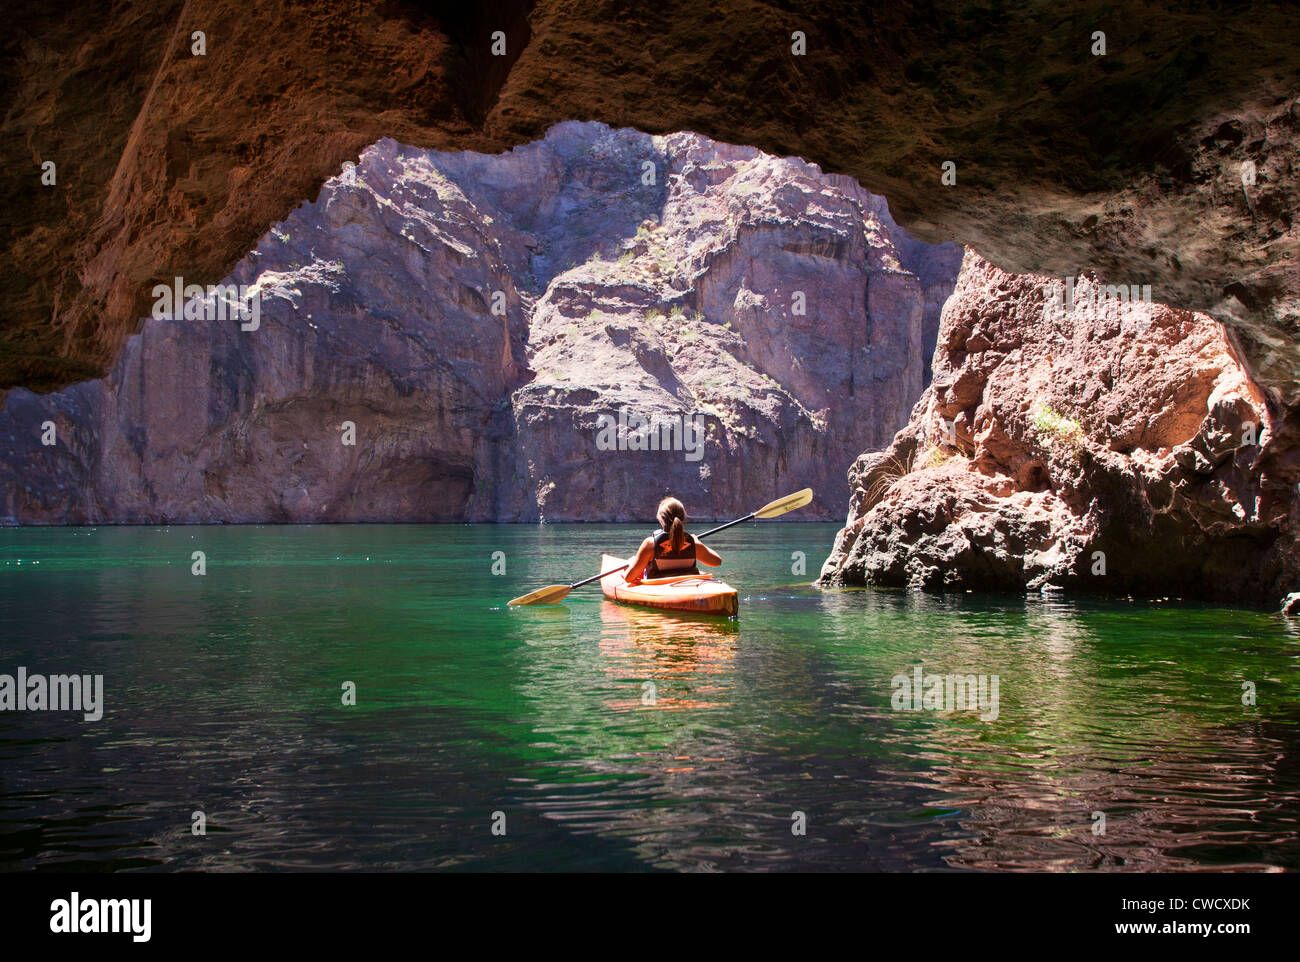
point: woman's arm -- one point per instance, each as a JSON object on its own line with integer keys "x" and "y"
{"x": 706, "y": 555}
{"x": 640, "y": 560}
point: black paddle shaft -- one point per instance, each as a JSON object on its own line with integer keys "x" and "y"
{"x": 723, "y": 527}
{"x": 698, "y": 537}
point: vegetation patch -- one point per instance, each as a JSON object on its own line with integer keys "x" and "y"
{"x": 934, "y": 457}
{"x": 884, "y": 478}
{"x": 1055, "y": 426}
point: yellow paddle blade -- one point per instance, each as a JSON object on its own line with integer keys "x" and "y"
{"x": 789, "y": 503}
{"x": 550, "y": 595}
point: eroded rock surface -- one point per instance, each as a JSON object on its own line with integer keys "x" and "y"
{"x": 473, "y": 316}
{"x": 1114, "y": 447}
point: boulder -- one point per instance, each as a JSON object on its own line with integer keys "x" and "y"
{"x": 1078, "y": 443}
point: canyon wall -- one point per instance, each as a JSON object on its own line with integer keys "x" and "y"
{"x": 1075, "y": 440}
{"x": 469, "y": 318}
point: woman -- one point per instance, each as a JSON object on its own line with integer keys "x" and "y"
{"x": 671, "y": 551}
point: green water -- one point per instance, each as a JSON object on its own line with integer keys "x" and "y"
{"x": 224, "y": 694}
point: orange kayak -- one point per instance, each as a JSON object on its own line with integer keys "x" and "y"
{"x": 698, "y": 594}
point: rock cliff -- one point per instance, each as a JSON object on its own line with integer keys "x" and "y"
{"x": 439, "y": 336}
{"x": 1077, "y": 437}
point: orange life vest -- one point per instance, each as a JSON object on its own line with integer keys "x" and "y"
{"x": 667, "y": 562}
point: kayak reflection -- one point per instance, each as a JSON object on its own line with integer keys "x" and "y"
{"x": 684, "y": 661}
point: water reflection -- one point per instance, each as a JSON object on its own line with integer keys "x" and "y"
{"x": 1087, "y": 728}
{"x": 223, "y": 693}
{"x": 683, "y": 661}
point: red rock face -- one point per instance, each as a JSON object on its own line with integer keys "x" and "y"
{"x": 1112, "y": 447}
{"x": 472, "y": 317}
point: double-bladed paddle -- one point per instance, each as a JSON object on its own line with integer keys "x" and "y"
{"x": 554, "y": 594}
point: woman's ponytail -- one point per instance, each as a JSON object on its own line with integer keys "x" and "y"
{"x": 672, "y": 518}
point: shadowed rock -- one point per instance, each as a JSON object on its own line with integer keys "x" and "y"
{"x": 1131, "y": 163}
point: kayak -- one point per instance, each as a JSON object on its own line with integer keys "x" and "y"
{"x": 696, "y": 594}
